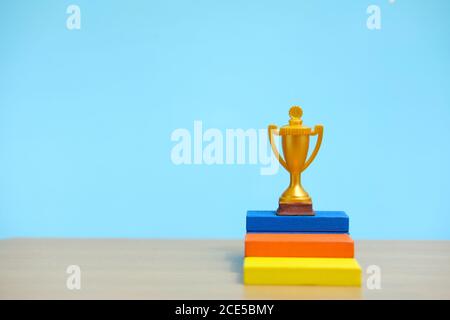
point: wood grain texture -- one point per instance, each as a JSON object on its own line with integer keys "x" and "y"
{"x": 203, "y": 269}
{"x": 322, "y": 221}
{"x": 299, "y": 245}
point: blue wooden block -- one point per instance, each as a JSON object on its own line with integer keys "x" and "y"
{"x": 322, "y": 221}
{"x": 300, "y": 232}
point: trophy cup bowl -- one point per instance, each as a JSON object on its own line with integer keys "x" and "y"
{"x": 295, "y": 145}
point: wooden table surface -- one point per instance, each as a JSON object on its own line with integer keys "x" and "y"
{"x": 202, "y": 269}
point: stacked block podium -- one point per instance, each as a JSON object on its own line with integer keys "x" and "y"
{"x": 300, "y": 250}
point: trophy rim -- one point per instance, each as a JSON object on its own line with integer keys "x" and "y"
{"x": 295, "y": 131}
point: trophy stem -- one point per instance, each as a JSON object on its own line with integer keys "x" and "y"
{"x": 295, "y": 201}
{"x": 295, "y": 180}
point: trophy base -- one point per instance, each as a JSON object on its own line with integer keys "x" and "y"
{"x": 295, "y": 209}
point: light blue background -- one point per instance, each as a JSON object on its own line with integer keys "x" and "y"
{"x": 86, "y": 116}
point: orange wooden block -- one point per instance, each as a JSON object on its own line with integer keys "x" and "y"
{"x": 299, "y": 245}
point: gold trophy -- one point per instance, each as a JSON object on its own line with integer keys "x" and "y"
{"x": 295, "y": 201}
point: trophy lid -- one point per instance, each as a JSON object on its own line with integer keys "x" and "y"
{"x": 295, "y": 126}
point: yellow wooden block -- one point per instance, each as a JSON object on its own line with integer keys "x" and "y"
{"x": 302, "y": 271}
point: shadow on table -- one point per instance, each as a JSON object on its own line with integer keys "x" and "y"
{"x": 237, "y": 265}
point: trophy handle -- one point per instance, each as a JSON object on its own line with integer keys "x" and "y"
{"x": 273, "y": 129}
{"x": 319, "y": 131}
